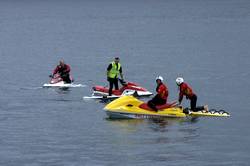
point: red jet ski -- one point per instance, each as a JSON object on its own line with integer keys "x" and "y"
{"x": 57, "y": 81}
{"x": 128, "y": 88}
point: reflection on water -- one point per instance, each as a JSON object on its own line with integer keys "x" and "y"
{"x": 161, "y": 125}
{"x": 156, "y": 139}
{"x": 127, "y": 125}
{"x": 105, "y": 100}
{"x": 157, "y": 125}
{"x": 173, "y": 130}
{"x": 63, "y": 90}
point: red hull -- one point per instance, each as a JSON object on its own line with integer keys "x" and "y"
{"x": 128, "y": 86}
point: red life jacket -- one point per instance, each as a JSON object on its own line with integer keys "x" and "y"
{"x": 186, "y": 90}
{"x": 60, "y": 69}
{"x": 162, "y": 91}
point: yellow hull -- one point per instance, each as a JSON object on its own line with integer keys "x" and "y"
{"x": 128, "y": 107}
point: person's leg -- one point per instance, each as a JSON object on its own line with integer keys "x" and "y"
{"x": 67, "y": 79}
{"x": 200, "y": 108}
{"x": 63, "y": 77}
{"x": 152, "y": 105}
{"x": 161, "y": 101}
{"x": 193, "y": 105}
{"x": 193, "y": 101}
{"x": 154, "y": 102}
{"x": 116, "y": 84}
{"x": 110, "y": 86}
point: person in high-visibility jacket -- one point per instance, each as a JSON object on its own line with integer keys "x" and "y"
{"x": 186, "y": 90}
{"x": 113, "y": 71}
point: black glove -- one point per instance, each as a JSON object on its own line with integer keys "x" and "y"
{"x": 123, "y": 82}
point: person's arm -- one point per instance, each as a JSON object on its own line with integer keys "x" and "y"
{"x": 159, "y": 91}
{"x": 121, "y": 73}
{"x": 108, "y": 69}
{"x": 55, "y": 70}
{"x": 121, "y": 76}
{"x": 67, "y": 70}
{"x": 162, "y": 91}
{"x": 183, "y": 88}
{"x": 181, "y": 94}
{"x": 180, "y": 97}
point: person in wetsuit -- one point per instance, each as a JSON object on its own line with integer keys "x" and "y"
{"x": 64, "y": 71}
{"x": 186, "y": 90}
{"x": 162, "y": 94}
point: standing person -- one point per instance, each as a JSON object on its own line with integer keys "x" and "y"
{"x": 113, "y": 70}
{"x": 63, "y": 70}
{"x": 161, "y": 96}
{"x": 186, "y": 90}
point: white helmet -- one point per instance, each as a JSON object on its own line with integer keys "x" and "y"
{"x": 159, "y": 78}
{"x": 179, "y": 81}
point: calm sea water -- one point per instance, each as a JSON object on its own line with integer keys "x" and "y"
{"x": 206, "y": 42}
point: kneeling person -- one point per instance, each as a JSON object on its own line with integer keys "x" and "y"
{"x": 161, "y": 96}
{"x": 186, "y": 90}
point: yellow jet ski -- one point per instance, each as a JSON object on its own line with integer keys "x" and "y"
{"x": 129, "y": 107}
